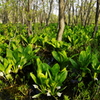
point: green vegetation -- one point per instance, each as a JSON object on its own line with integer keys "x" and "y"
{"x": 68, "y": 69}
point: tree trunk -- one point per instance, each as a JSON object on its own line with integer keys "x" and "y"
{"x": 96, "y": 19}
{"x": 69, "y": 14}
{"x": 61, "y": 20}
{"x": 73, "y": 15}
{"x": 5, "y": 17}
{"x": 29, "y": 20}
{"x": 47, "y": 20}
{"x": 81, "y": 12}
{"x": 88, "y": 13}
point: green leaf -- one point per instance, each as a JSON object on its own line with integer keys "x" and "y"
{"x": 62, "y": 75}
{"x": 8, "y": 69}
{"x": 66, "y": 97}
{"x": 9, "y": 53}
{"x": 60, "y": 56}
{"x": 2, "y": 68}
{"x": 56, "y": 55}
{"x": 14, "y": 46}
{"x": 45, "y": 67}
{"x": 39, "y": 64}
{"x": 24, "y": 38}
{"x": 95, "y": 61}
{"x": 36, "y": 96}
{"x": 75, "y": 65}
{"x": 42, "y": 67}
{"x": 34, "y": 39}
{"x": 33, "y": 77}
{"x": 69, "y": 38}
{"x": 55, "y": 69}
{"x": 1, "y": 58}
{"x": 5, "y": 62}
{"x": 20, "y": 49}
{"x": 23, "y": 61}
{"x": 42, "y": 77}
{"x": 84, "y": 58}
{"x": 28, "y": 49}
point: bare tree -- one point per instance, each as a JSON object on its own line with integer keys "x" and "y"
{"x": 29, "y": 20}
{"x": 96, "y": 19}
{"x": 61, "y": 20}
{"x": 47, "y": 20}
{"x": 88, "y": 12}
{"x": 5, "y": 18}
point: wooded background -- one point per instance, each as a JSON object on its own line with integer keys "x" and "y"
{"x": 71, "y": 12}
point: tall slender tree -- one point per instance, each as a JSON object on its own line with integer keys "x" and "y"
{"x": 47, "y": 19}
{"x": 29, "y": 20}
{"x": 96, "y": 18}
{"x": 61, "y": 19}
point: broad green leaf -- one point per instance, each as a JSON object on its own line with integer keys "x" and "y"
{"x": 9, "y": 53}
{"x": 28, "y": 49}
{"x": 75, "y": 65}
{"x": 95, "y": 61}
{"x": 9, "y": 77}
{"x": 33, "y": 77}
{"x": 55, "y": 69}
{"x": 14, "y": 46}
{"x": 88, "y": 49}
{"x": 62, "y": 75}
{"x": 36, "y": 96}
{"x": 69, "y": 38}
{"x": 84, "y": 58}
{"x": 41, "y": 75}
{"x": 60, "y": 56}
{"x": 23, "y": 61}
{"x": 8, "y": 69}
{"x": 24, "y": 38}
{"x": 45, "y": 67}
{"x": 5, "y": 62}
{"x": 39, "y": 64}
{"x": 2, "y": 68}
{"x": 20, "y": 49}
{"x": 56, "y": 55}
{"x": 66, "y": 97}
{"x": 1, "y": 58}
{"x": 36, "y": 50}
{"x": 34, "y": 39}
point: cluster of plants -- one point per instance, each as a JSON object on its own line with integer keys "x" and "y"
{"x": 68, "y": 69}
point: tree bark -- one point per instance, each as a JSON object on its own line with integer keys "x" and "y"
{"x": 96, "y": 19}
{"x": 29, "y": 20}
{"x": 61, "y": 20}
{"x": 47, "y": 20}
{"x": 88, "y": 13}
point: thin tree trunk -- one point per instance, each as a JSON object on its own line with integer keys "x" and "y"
{"x": 61, "y": 20}
{"x": 73, "y": 20}
{"x": 47, "y": 20}
{"x": 29, "y": 22}
{"x": 69, "y": 14}
{"x": 81, "y": 11}
{"x": 96, "y": 19}
{"x": 88, "y": 12}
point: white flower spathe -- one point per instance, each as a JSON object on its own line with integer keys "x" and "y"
{"x": 36, "y": 96}
{"x": 9, "y": 71}
{"x": 96, "y": 79}
{"x": 59, "y": 94}
{"x": 1, "y": 73}
{"x": 58, "y": 87}
{"x": 35, "y": 86}
{"x": 18, "y": 66}
{"x": 48, "y": 93}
